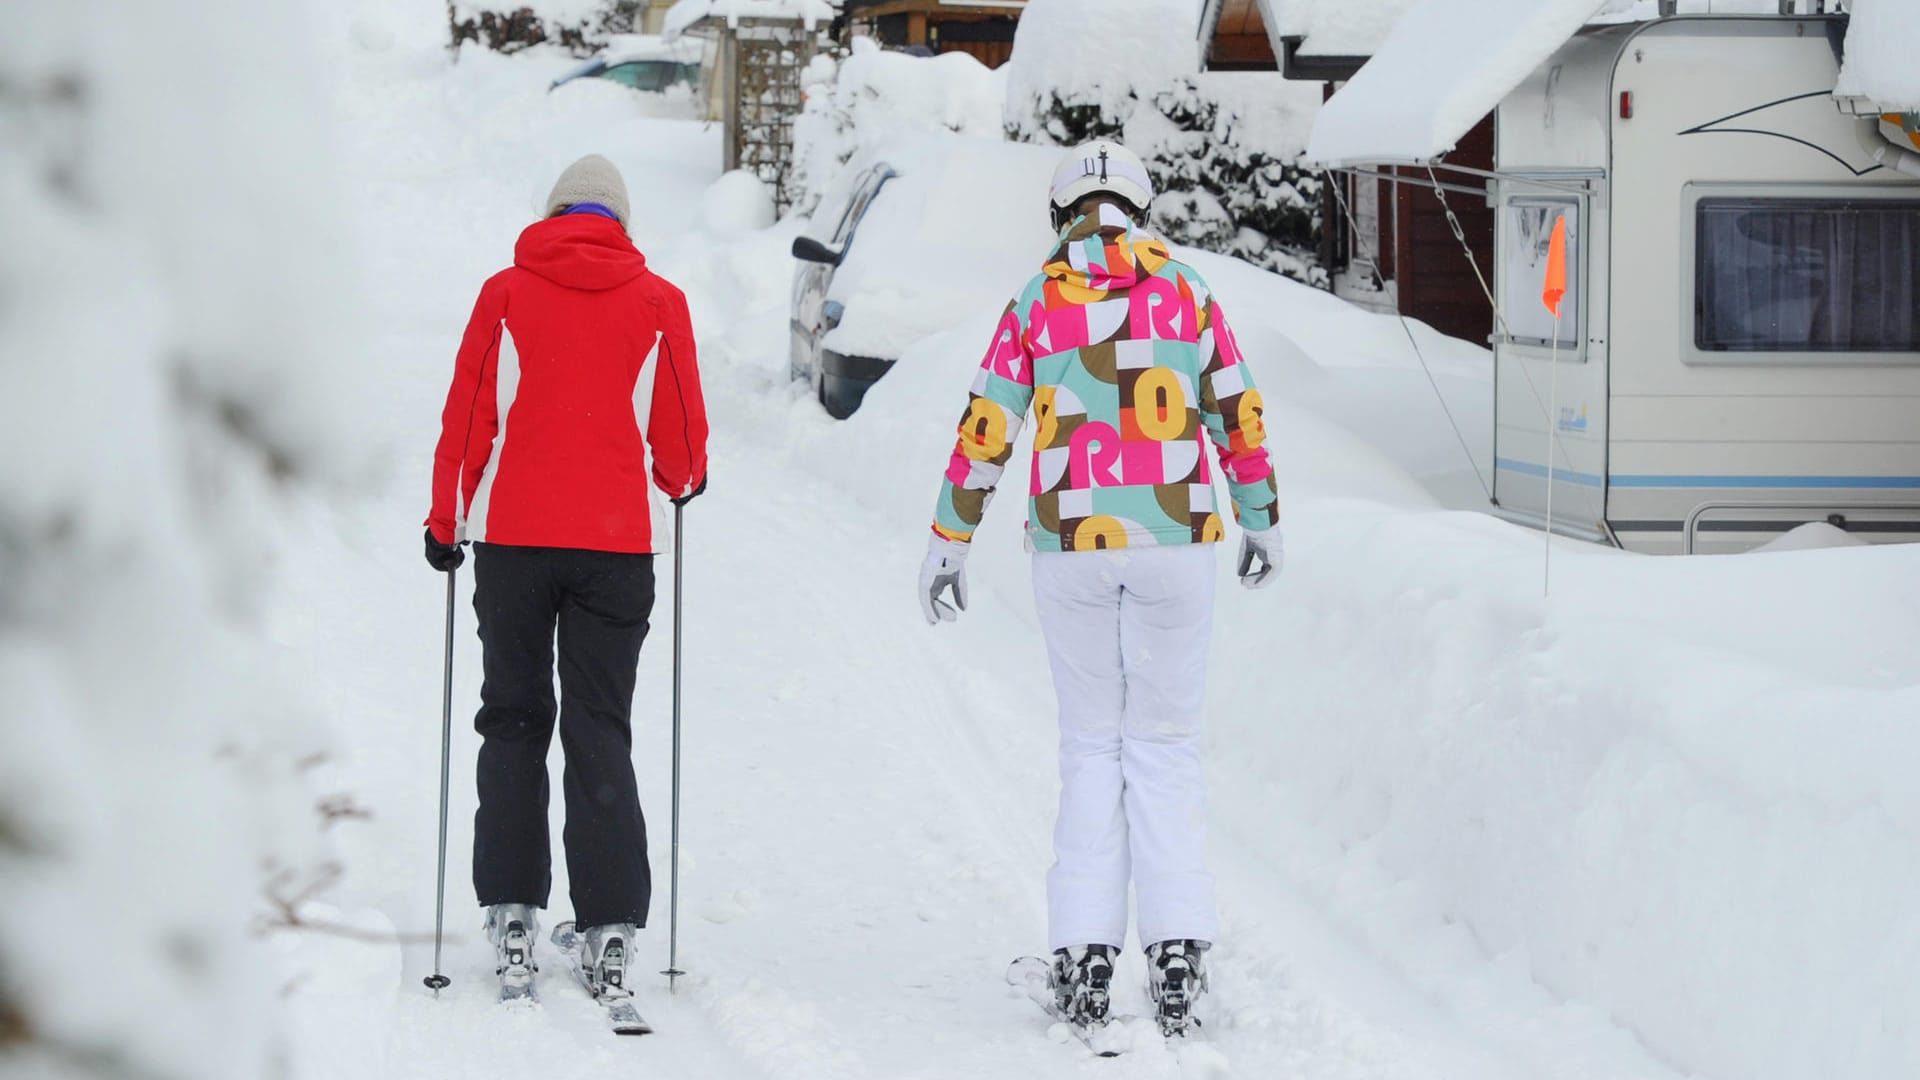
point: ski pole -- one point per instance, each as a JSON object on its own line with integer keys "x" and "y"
{"x": 436, "y": 981}
{"x": 673, "y": 971}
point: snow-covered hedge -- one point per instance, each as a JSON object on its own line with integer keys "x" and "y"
{"x": 579, "y": 25}
{"x": 1222, "y": 147}
{"x": 171, "y": 294}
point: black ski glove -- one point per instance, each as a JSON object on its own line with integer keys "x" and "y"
{"x": 445, "y": 558}
{"x": 692, "y": 495}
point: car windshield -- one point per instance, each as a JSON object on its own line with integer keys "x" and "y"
{"x": 644, "y": 74}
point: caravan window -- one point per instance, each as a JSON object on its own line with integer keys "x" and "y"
{"x": 1807, "y": 276}
{"x": 1526, "y": 230}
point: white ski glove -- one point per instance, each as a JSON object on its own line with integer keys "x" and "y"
{"x": 1262, "y": 551}
{"x": 945, "y": 568}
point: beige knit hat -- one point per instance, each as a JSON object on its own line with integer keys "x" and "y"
{"x": 592, "y": 179}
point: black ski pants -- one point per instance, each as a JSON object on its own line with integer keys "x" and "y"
{"x": 599, "y": 603}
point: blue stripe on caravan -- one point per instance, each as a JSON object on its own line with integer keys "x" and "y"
{"x": 1528, "y": 468}
{"x": 1877, "y": 482}
{"x": 1881, "y": 483}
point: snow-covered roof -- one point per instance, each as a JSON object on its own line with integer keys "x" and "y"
{"x": 1444, "y": 67}
{"x": 1349, "y": 28}
{"x": 1882, "y": 68}
{"x": 683, "y": 15}
{"x": 1335, "y": 27}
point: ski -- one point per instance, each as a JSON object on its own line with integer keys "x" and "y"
{"x": 622, "y": 1017}
{"x": 1032, "y": 976}
{"x": 517, "y": 988}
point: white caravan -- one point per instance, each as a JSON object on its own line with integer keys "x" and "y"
{"x": 1738, "y": 352}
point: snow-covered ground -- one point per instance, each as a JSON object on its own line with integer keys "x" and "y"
{"x": 1660, "y": 825}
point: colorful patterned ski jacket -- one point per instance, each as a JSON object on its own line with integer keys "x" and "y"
{"x": 1130, "y": 369}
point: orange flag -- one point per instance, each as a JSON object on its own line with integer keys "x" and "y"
{"x": 1556, "y": 286}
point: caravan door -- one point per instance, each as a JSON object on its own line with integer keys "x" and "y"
{"x": 1549, "y": 372}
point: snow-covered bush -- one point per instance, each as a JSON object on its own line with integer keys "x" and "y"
{"x": 1222, "y": 147}
{"x": 875, "y": 94}
{"x": 579, "y": 25}
{"x": 168, "y": 291}
{"x": 1224, "y": 162}
{"x": 1080, "y": 67}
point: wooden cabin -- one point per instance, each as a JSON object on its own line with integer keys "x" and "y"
{"x": 982, "y": 29}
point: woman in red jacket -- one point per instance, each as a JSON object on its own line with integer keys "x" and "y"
{"x": 575, "y": 393}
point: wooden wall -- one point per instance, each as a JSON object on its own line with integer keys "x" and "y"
{"x": 1240, "y": 40}
{"x": 1436, "y": 283}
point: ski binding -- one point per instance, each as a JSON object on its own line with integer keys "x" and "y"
{"x": 622, "y": 1017}
{"x": 1032, "y": 975}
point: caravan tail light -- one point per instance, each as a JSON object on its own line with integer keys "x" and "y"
{"x": 1626, "y": 104}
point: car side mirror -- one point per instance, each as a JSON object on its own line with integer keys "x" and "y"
{"x": 807, "y": 249}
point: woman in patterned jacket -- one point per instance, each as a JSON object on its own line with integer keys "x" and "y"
{"x": 1130, "y": 371}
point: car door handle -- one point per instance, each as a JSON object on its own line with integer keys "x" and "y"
{"x": 831, "y": 313}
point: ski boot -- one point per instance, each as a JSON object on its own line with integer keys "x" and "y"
{"x": 603, "y": 959}
{"x": 1176, "y": 977}
{"x": 1081, "y": 978}
{"x": 511, "y": 928}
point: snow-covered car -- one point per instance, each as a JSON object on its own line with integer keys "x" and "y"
{"x": 916, "y": 237}
{"x": 643, "y": 62}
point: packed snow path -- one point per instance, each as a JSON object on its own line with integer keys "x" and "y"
{"x": 869, "y": 801}
{"x": 867, "y": 814}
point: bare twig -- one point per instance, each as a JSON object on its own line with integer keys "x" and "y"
{"x": 337, "y": 808}
{"x": 285, "y": 899}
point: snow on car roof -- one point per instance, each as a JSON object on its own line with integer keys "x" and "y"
{"x": 626, "y": 48}
{"x": 957, "y": 232}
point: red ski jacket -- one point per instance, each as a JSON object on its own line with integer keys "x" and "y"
{"x": 576, "y": 383}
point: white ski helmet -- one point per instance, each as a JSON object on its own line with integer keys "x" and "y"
{"x": 1101, "y": 166}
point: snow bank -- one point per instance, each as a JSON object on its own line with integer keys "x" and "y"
{"x": 1812, "y": 536}
{"x": 171, "y": 302}
{"x": 1446, "y": 64}
{"x": 1678, "y": 792}
{"x": 1882, "y": 42}
{"x": 1095, "y": 54}
{"x": 739, "y": 202}
{"x": 1673, "y": 797}
{"x": 874, "y": 96}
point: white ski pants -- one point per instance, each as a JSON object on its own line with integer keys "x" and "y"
{"x": 1127, "y": 635}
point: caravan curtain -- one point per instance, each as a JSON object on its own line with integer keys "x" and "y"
{"x": 1807, "y": 276}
